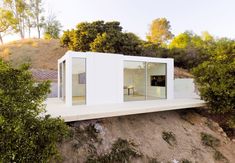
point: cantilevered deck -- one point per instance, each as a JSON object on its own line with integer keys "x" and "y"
{"x": 56, "y": 108}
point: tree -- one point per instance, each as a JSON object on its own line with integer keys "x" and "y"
{"x": 117, "y": 42}
{"x": 183, "y": 40}
{"x": 101, "y": 37}
{"x": 18, "y": 9}
{"x": 7, "y": 23}
{"x": 206, "y": 36}
{"x": 29, "y": 20}
{"x": 25, "y": 134}
{"x": 36, "y": 11}
{"x": 52, "y": 28}
{"x": 189, "y": 50}
{"x": 154, "y": 50}
{"x": 85, "y": 33}
{"x": 130, "y": 44}
{"x": 159, "y": 31}
{"x": 216, "y": 79}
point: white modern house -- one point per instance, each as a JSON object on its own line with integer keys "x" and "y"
{"x": 100, "y": 85}
{"x": 89, "y": 78}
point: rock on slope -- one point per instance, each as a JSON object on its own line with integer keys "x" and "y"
{"x": 146, "y": 131}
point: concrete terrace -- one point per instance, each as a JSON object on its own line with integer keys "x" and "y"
{"x": 57, "y": 108}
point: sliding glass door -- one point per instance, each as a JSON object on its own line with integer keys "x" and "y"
{"x": 156, "y": 81}
{"x": 78, "y": 81}
{"x": 62, "y": 70}
{"x": 134, "y": 81}
{"x": 144, "y": 81}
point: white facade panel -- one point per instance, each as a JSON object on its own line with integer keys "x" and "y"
{"x": 104, "y": 82}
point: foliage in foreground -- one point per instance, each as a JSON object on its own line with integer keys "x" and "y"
{"x": 216, "y": 80}
{"x": 25, "y": 136}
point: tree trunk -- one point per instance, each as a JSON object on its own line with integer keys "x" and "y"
{"x": 29, "y": 32}
{"x": 21, "y": 34}
{"x": 38, "y": 28}
{"x": 1, "y": 40}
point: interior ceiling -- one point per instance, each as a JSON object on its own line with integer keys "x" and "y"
{"x": 78, "y": 66}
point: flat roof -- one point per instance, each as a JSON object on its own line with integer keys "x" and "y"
{"x": 69, "y": 54}
{"x": 57, "y": 108}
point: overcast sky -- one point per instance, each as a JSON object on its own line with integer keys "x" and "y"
{"x": 215, "y": 16}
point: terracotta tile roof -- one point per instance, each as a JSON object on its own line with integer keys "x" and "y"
{"x": 42, "y": 74}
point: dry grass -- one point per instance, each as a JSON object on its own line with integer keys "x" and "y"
{"x": 42, "y": 54}
{"x": 5, "y": 53}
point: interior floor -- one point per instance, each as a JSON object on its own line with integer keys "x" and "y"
{"x": 139, "y": 98}
{"x": 79, "y": 100}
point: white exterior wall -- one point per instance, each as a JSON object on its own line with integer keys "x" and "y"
{"x": 104, "y": 76}
{"x": 104, "y": 79}
{"x": 185, "y": 88}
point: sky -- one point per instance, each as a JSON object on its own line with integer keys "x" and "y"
{"x": 215, "y": 16}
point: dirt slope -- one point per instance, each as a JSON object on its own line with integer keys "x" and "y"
{"x": 146, "y": 131}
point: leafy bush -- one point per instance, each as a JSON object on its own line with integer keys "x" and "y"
{"x": 25, "y": 135}
{"x": 216, "y": 80}
{"x": 185, "y": 161}
{"x": 122, "y": 151}
{"x": 220, "y": 157}
{"x": 153, "y": 160}
{"x": 209, "y": 140}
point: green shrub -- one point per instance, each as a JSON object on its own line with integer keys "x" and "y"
{"x": 169, "y": 137}
{"x": 216, "y": 80}
{"x": 153, "y": 160}
{"x": 122, "y": 151}
{"x": 219, "y": 156}
{"x": 209, "y": 140}
{"x": 25, "y": 135}
{"x": 185, "y": 161}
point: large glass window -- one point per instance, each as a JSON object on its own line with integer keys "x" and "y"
{"x": 144, "y": 81}
{"x": 156, "y": 81}
{"x": 78, "y": 81}
{"x": 61, "y": 84}
{"x": 62, "y": 80}
{"x": 134, "y": 81}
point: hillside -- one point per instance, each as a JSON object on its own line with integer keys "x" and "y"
{"x": 184, "y": 136}
{"x": 43, "y": 54}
